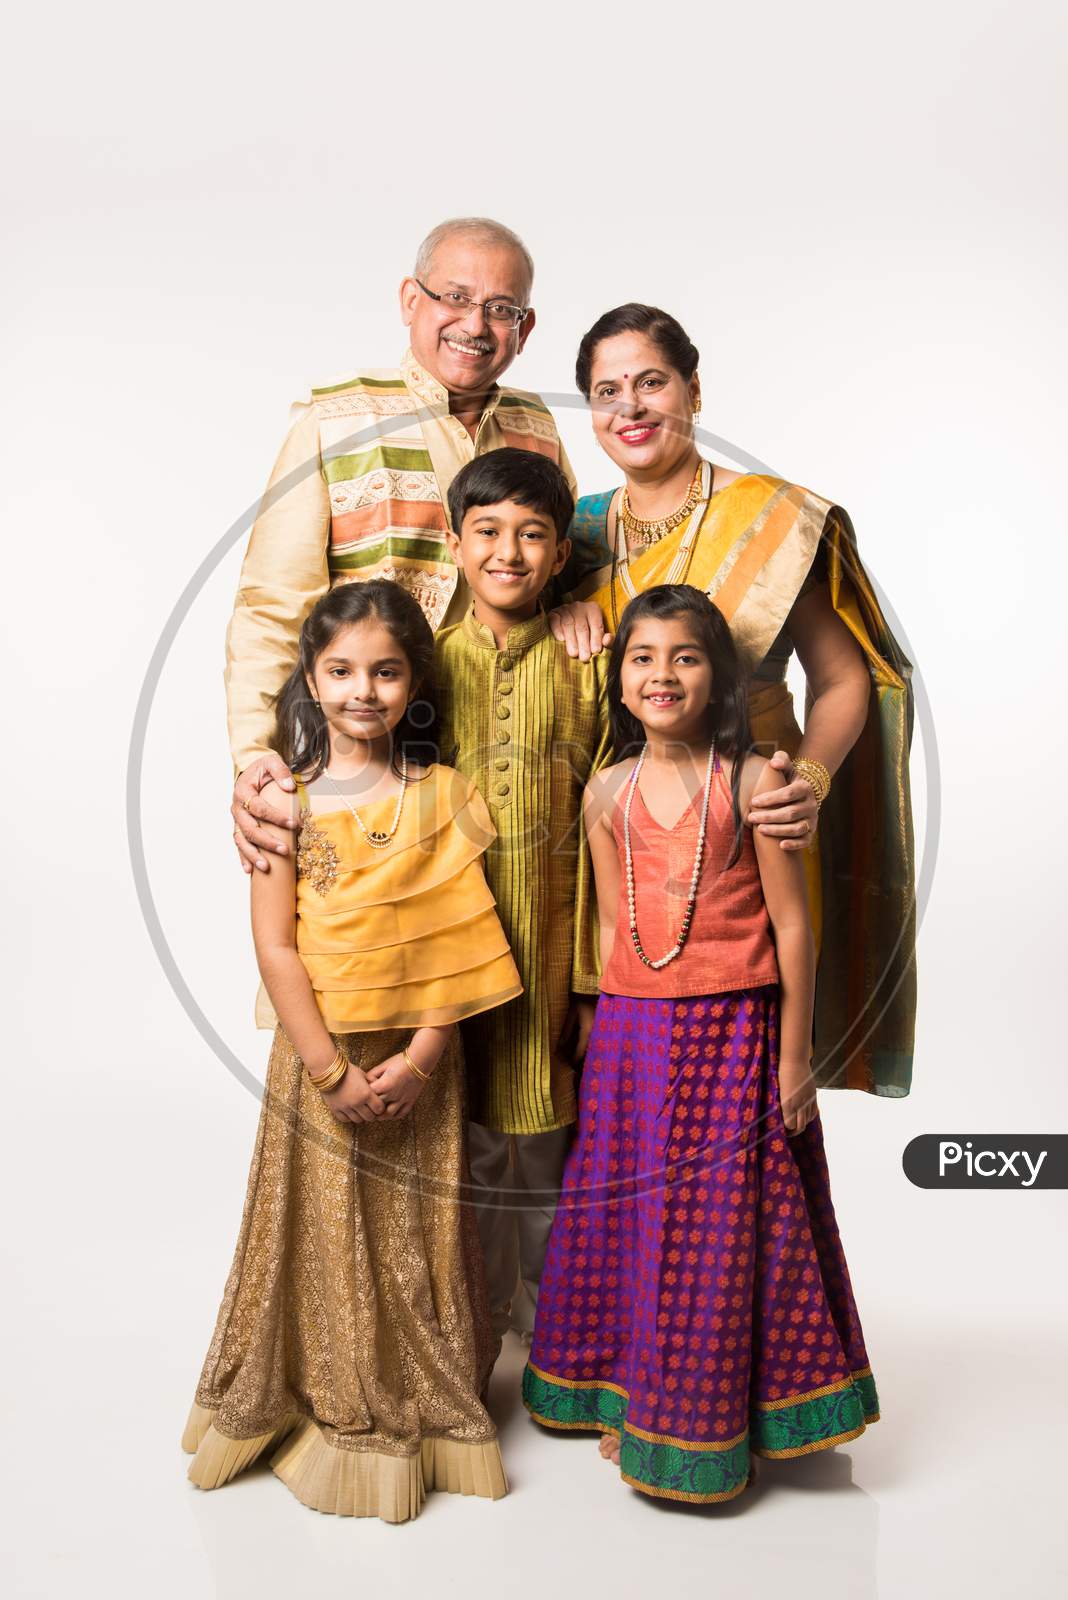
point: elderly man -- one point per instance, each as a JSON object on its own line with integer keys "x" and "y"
{"x": 360, "y": 491}
{"x": 360, "y": 487}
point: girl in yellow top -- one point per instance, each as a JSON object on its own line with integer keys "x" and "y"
{"x": 353, "y": 1335}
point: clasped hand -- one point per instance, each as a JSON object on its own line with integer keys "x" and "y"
{"x": 383, "y": 1093}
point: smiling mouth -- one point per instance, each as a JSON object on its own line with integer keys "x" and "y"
{"x": 503, "y": 576}
{"x": 470, "y": 351}
{"x": 638, "y": 433}
{"x": 663, "y": 699}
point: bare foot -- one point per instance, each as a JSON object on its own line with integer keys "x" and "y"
{"x": 609, "y": 1448}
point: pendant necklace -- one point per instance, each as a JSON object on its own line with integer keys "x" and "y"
{"x": 374, "y": 836}
{"x": 695, "y": 876}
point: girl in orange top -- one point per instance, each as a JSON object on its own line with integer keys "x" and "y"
{"x": 695, "y": 1306}
{"x": 353, "y": 1334}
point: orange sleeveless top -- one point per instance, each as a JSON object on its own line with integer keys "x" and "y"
{"x": 730, "y": 944}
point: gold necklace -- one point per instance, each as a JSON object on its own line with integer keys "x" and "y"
{"x": 376, "y": 838}
{"x": 679, "y": 569}
{"x": 642, "y": 532}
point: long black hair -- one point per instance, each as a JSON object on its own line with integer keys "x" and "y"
{"x": 727, "y": 718}
{"x": 666, "y": 332}
{"x": 302, "y": 734}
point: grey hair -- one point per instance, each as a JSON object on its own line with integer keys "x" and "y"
{"x": 482, "y": 228}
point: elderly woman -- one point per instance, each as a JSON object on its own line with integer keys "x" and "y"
{"x": 781, "y": 564}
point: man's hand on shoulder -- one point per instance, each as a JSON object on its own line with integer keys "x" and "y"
{"x": 250, "y": 808}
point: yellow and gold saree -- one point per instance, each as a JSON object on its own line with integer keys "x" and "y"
{"x": 750, "y": 548}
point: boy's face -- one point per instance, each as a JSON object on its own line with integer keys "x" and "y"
{"x": 508, "y": 553}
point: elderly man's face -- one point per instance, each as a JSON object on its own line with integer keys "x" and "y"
{"x": 467, "y": 351}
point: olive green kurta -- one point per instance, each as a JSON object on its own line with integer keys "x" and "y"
{"x": 530, "y": 725}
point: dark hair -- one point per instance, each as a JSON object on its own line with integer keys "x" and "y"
{"x": 303, "y": 735}
{"x": 668, "y": 334}
{"x": 728, "y": 712}
{"x": 509, "y": 474}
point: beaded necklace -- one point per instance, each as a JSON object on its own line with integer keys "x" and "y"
{"x": 374, "y": 836}
{"x": 695, "y": 876}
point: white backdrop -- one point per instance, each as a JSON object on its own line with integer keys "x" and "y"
{"x": 859, "y": 217}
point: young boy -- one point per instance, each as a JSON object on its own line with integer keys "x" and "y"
{"x": 529, "y": 724}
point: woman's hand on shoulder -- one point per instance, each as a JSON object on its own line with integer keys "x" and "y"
{"x": 756, "y": 770}
{"x": 580, "y": 627}
{"x": 782, "y": 871}
{"x": 781, "y": 806}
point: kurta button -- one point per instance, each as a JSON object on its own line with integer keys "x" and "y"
{"x": 501, "y": 764}
{"x": 502, "y": 790}
{"x": 506, "y": 663}
{"x": 504, "y": 688}
{"x": 504, "y": 711}
{"x": 503, "y": 737}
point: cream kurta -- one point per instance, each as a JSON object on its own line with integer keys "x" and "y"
{"x": 358, "y": 491}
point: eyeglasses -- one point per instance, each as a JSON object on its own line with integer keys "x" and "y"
{"x": 495, "y": 310}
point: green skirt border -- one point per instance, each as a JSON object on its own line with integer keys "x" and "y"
{"x": 704, "y": 1473}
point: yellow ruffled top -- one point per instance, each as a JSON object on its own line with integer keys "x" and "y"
{"x": 406, "y": 936}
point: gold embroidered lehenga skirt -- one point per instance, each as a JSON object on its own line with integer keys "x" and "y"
{"x": 353, "y": 1337}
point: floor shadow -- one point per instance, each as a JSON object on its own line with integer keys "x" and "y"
{"x": 505, "y": 1402}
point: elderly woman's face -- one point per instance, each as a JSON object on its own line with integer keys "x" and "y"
{"x": 642, "y": 408}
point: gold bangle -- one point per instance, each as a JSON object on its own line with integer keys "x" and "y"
{"x": 815, "y": 774}
{"x": 316, "y": 1078}
{"x": 324, "y": 1085}
{"x": 333, "y": 1074}
{"x": 426, "y": 1076}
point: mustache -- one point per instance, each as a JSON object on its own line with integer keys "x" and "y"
{"x": 483, "y": 347}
